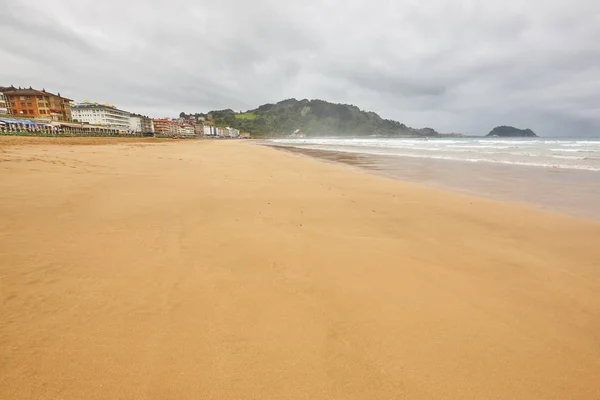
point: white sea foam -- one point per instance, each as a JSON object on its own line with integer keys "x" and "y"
{"x": 574, "y": 150}
{"x": 569, "y": 157}
{"x": 554, "y": 153}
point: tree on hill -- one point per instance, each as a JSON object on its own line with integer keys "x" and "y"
{"x": 313, "y": 118}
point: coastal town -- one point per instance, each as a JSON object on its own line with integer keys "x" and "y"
{"x": 31, "y": 111}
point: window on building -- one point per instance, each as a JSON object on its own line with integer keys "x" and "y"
{"x": 22, "y": 104}
{"x": 29, "y": 105}
{"x": 28, "y": 97}
{"x": 21, "y": 97}
{"x": 40, "y": 97}
{"x": 30, "y": 112}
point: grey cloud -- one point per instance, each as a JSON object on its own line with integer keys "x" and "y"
{"x": 28, "y": 30}
{"x": 461, "y": 66}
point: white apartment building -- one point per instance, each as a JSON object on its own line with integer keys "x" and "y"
{"x": 232, "y": 133}
{"x": 186, "y": 130}
{"x": 139, "y": 124}
{"x": 135, "y": 124}
{"x": 220, "y": 132}
{"x": 3, "y": 105}
{"x": 100, "y": 114}
{"x": 210, "y": 130}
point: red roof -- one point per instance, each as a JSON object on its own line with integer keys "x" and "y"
{"x": 16, "y": 91}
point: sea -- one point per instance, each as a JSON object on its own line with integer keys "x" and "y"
{"x": 556, "y": 174}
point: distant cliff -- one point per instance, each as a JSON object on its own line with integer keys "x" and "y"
{"x": 312, "y": 118}
{"x": 509, "y": 131}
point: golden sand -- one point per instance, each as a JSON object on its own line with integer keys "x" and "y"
{"x": 226, "y": 270}
{"x": 75, "y": 140}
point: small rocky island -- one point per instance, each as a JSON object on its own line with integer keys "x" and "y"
{"x": 510, "y": 131}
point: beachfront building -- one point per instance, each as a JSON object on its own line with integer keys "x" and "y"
{"x": 135, "y": 125}
{"x": 53, "y": 128}
{"x": 215, "y": 131}
{"x": 38, "y": 104}
{"x": 141, "y": 125}
{"x": 4, "y": 110}
{"x": 161, "y": 126}
{"x": 186, "y": 130}
{"x": 147, "y": 125}
{"x": 102, "y": 114}
{"x": 232, "y": 133}
{"x": 210, "y": 131}
{"x": 198, "y": 129}
{"x": 165, "y": 127}
{"x": 80, "y": 129}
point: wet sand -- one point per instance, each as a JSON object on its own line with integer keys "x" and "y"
{"x": 226, "y": 270}
{"x": 573, "y": 192}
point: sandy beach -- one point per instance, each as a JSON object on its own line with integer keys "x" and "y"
{"x": 227, "y": 270}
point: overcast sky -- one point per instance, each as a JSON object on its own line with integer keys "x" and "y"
{"x": 457, "y": 66}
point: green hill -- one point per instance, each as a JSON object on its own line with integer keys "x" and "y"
{"x": 313, "y": 118}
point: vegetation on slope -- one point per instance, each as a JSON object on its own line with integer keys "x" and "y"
{"x": 312, "y": 118}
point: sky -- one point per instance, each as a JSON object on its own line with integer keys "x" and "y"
{"x": 461, "y": 66}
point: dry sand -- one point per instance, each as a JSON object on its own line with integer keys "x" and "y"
{"x": 74, "y": 140}
{"x": 226, "y": 270}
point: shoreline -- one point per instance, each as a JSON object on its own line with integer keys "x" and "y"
{"x": 474, "y": 179}
{"x": 223, "y": 269}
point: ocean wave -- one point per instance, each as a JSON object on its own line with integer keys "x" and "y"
{"x": 575, "y": 150}
{"x": 544, "y": 163}
{"x": 512, "y": 141}
{"x": 432, "y": 149}
{"x": 461, "y": 146}
{"x": 574, "y": 154}
{"x": 569, "y": 157}
{"x": 523, "y": 153}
